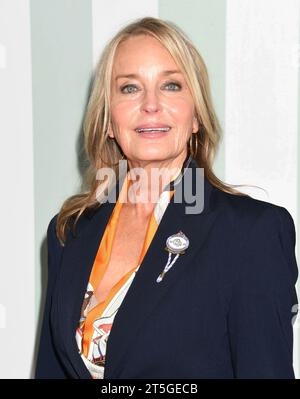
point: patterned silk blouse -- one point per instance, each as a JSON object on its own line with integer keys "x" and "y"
{"x": 97, "y": 318}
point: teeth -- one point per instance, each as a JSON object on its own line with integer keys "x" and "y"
{"x": 161, "y": 129}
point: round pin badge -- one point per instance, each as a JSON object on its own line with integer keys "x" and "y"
{"x": 177, "y": 243}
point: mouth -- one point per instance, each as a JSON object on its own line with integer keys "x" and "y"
{"x": 153, "y": 130}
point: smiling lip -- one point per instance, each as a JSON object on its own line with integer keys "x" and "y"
{"x": 151, "y": 125}
{"x": 153, "y": 134}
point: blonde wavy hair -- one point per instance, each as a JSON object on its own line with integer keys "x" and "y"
{"x": 101, "y": 151}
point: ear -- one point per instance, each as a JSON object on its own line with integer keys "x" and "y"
{"x": 195, "y": 125}
{"x": 110, "y": 132}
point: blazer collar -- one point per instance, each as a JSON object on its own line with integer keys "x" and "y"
{"x": 79, "y": 255}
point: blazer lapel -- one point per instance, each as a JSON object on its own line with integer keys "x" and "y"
{"x": 76, "y": 265}
{"x": 78, "y": 260}
{"x": 133, "y": 311}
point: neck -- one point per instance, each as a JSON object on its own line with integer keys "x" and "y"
{"x": 147, "y": 181}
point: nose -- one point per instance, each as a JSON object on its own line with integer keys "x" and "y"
{"x": 151, "y": 101}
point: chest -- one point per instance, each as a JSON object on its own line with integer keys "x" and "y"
{"x": 126, "y": 250}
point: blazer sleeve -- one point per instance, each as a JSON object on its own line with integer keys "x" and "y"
{"x": 48, "y": 364}
{"x": 264, "y": 301}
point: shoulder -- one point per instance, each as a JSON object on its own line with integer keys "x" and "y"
{"x": 54, "y": 247}
{"x": 249, "y": 215}
{"x": 265, "y": 240}
{"x": 51, "y": 229}
{"x": 79, "y": 226}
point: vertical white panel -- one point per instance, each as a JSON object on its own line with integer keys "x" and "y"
{"x": 262, "y": 103}
{"x": 109, "y": 16}
{"x": 17, "y": 284}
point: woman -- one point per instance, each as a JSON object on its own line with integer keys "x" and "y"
{"x": 164, "y": 288}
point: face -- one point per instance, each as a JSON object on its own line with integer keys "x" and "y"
{"x": 150, "y": 96}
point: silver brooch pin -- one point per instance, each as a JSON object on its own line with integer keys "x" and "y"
{"x": 175, "y": 244}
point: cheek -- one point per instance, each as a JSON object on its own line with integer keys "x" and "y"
{"x": 182, "y": 111}
{"x": 123, "y": 114}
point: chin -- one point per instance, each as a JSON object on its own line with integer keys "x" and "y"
{"x": 155, "y": 156}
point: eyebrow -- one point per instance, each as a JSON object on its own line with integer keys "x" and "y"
{"x": 134, "y": 75}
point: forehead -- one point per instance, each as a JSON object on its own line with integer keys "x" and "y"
{"x": 142, "y": 52}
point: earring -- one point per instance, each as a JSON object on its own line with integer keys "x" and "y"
{"x": 113, "y": 164}
{"x": 192, "y": 151}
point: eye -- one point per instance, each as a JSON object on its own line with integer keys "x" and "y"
{"x": 130, "y": 87}
{"x": 178, "y": 85}
{"x": 127, "y": 86}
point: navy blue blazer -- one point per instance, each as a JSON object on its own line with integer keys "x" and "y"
{"x": 224, "y": 310}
